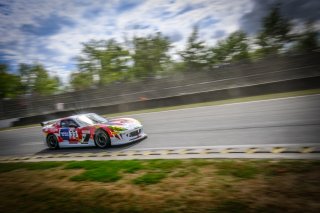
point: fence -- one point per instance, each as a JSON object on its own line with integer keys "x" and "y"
{"x": 246, "y": 73}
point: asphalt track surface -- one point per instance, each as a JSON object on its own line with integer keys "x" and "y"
{"x": 294, "y": 120}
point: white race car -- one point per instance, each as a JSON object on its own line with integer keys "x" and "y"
{"x": 91, "y": 130}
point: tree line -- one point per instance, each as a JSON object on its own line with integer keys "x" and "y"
{"x": 103, "y": 62}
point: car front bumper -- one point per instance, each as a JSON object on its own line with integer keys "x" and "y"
{"x": 125, "y": 140}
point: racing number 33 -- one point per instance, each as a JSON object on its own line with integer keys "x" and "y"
{"x": 73, "y": 134}
{"x": 68, "y": 134}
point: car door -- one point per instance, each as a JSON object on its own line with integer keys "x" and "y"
{"x": 84, "y": 135}
{"x": 69, "y": 131}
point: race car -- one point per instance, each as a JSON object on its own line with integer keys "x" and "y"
{"x": 91, "y": 130}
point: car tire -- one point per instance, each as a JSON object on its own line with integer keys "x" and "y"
{"x": 52, "y": 142}
{"x": 102, "y": 139}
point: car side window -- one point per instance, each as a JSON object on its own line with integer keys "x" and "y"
{"x": 68, "y": 123}
{"x": 72, "y": 123}
{"x": 64, "y": 123}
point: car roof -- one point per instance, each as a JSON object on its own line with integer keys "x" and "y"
{"x": 77, "y": 115}
{"x": 55, "y": 121}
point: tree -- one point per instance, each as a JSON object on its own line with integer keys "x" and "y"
{"x": 107, "y": 59}
{"x": 274, "y": 34}
{"x": 36, "y": 80}
{"x": 233, "y": 48}
{"x": 44, "y": 84}
{"x": 10, "y": 85}
{"x": 308, "y": 40}
{"x": 195, "y": 55}
{"x": 81, "y": 80}
{"x": 150, "y": 55}
{"x": 27, "y": 78}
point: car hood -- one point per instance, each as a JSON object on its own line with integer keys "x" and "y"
{"x": 127, "y": 123}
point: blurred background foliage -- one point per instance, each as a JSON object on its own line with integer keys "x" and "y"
{"x": 104, "y": 62}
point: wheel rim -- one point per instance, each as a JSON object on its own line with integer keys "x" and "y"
{"x": 52, "y": 141}
{"x": 102, "y": 140}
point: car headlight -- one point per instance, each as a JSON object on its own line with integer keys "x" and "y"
{"x": 117, "y": 128}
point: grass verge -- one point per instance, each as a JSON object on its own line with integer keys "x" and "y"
{"x": 194, "y": 185}
{"x": 150, "y": 178}
{"x": 7, "y": 167}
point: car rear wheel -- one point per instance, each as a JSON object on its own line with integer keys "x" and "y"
{"x": 102, "y": 139}
{"x": 52, "y": 142}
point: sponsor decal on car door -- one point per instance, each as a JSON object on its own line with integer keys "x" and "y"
{"x": 69, "y": 134}
{"x": 85, "y": 133}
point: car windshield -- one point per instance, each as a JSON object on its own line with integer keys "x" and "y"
{"x": 90, "y": 119}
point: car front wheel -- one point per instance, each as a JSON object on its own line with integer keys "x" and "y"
{"x": 102, "y": 139}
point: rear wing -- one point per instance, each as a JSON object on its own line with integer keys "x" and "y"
{"x": 46, "y": 123}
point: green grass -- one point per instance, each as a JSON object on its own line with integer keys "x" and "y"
{"x": 127, "y": 165}
{"x": 250, "y": 169}
{"x": 164, "y": 165}
{"x": 180, "y": 173}
{"x": 103, "y": 171}
{"x": 150, "y": 178}
{"x": 7, "y": 167}
{"x": 245, "y": 170}
{"x": 155, "y": 170}
{"x": 99, "y": 175}
{"x": 234, "y": 206}
{"x": 285, "y": 167}
{"x": 110, "y": 171}
{"x": 49, "y": 200}
{"x": 201, "y": 162}
{"x": 189, "y": 185}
